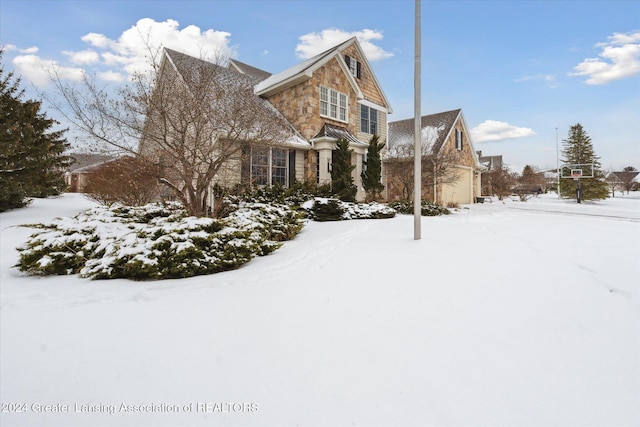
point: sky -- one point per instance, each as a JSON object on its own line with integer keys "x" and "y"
{"x": 523, "y": 72}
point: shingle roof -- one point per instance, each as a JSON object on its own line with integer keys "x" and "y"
{"x": 234, "y": 83}
{"x": 256, "y": 73}
{"x": 297, "y": 71}
{"x": 626, "y": 176}
{"x": 84, "y": 160}
{"x": 438, "y": 126}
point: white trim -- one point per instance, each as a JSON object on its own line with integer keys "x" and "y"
{"x": 372, "y": 105}
{"x": 338, "y": 104}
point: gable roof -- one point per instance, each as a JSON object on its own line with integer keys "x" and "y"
{"x": 435, "y": 127}
{"x": 304, "y": 71}
{"x": 256, "y": 73}
{"x": 187, "y": 66}
{"x": 84, "y": 160}
{"x": 438, "y": 127}
{"x": 626, "y": 176}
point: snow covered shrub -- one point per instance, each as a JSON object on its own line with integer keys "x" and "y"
{"x": 294, "y": 195}
{"x": 329, "y": 209}
{"x": 156, "y": 242}
{"x": 322, "y": 209}
{"x": 427, "y": 209}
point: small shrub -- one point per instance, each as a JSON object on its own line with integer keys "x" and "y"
{"x": 427, "y": 209}
{"x": 323, "y": 209}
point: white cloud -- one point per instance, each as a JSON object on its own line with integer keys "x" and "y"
{"x": 129, "y": 53}
{"x": 13, "y": 47}
{"x": 619, "y": 58}
{"x": 314, "y": 43}
{"x": 84, "y": 57}
{"x": 112, "y": 76}
{"x": 492, "y": 130}
{"x": 38, "y": 71}
{"x": 548, "y": 79}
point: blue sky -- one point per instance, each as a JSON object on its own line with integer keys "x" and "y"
{"x": 519, "y": 70}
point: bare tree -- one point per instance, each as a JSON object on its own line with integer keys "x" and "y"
{"x": 530, "y": 183}
{"x": 193, "y": 118}
{"x": 128, "y": 180}
{"x": 438, "y": 166}
{"x": 501, "y": 182}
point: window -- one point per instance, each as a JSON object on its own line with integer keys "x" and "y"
{"x": 259, "y": 165}
{"x": 459, "y": 139}
{"x": 278, "y": 166}
{"x": 324, "y": 101}
{"x": 355, "y": 68}
{"x": 368, "y": 120}
{"x": 334, "y": 104}
{"x": 269, "y": 166}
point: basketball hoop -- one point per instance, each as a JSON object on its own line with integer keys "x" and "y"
{"x": 576, "y": 174}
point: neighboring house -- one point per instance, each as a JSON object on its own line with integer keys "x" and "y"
{"x": 492, "y": 164}
{"x": 332, "y": 95}
{"x": 445, "y": 135}
{"x": 83, "y": 166}
{"x": 625, "y": 180}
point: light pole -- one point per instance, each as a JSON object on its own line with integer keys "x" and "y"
{"x": 417, "y": 135}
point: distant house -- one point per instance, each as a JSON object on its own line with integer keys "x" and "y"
{"x": 451, "y": 167}
{"x": 625, "y": 180}
{"x": 492, "y": 164}
{"x": 332, "y": 95}
{"x": 84, "y": 165}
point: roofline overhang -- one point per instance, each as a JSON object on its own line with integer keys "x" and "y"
{"x": 285, "y": 84}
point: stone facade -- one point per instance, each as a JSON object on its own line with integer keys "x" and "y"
{"x": 300, "y": 105}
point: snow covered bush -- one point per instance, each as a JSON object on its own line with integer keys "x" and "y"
{"x": 428, "y": 208}
{"x": 156, "y": 242}
{"x": 330, "y": 209}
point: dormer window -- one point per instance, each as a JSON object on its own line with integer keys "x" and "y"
{"x": 355, "y": 68}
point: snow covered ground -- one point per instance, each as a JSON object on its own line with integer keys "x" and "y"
{"x": 503, "y": 314}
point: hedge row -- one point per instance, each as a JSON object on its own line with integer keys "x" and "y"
{"x": 156, "y": 242}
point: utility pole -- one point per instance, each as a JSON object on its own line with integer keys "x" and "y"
{"x": 417, "y": 134}
{"x": 557, "y": 163}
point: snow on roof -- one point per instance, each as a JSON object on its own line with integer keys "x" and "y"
{"x": 434, "y": 130}
{"x": 299, "y": 70}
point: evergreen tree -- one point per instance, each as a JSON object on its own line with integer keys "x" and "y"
{"x": 373, "y": 170}
{"x": 578, "y": 150}
{"x": 341, "y": 179}
{"x": 32, "y": 159}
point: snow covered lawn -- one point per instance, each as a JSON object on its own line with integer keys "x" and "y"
{"x": 514, "y": 314}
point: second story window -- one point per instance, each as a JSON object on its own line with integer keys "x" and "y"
{"x": 355, "y": 68}
{"x": 368, "y": 120}
{"x": 334, "y": 104}
{"x": 458, "y": 139}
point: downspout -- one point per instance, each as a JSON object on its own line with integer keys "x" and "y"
{"x": 435, "y": 181}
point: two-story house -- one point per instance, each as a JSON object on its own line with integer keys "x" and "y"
{"x": 332, "y": 95}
